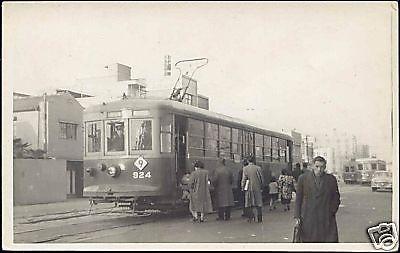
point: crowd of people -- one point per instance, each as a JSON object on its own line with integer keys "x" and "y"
{"x": 196, "y": 188}
{"x": 317, "y": 195}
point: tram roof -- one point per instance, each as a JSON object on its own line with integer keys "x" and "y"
{"x": 369, "y": 160}
{"x": 147, "y": 103}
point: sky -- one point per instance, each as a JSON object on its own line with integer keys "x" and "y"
{"x": 305, "y": 66}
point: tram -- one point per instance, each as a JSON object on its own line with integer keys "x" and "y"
{"x": 138, "y": 149}
{"x": 351, "y": 175}
{"x": 367, "y": 167}
{"x": 360, "y": 171}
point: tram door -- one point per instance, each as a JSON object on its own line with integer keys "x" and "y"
{"x": 180, "y": 147}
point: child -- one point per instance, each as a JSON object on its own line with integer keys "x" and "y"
{"x": 185, "y": 185}
{"x": 273, "y": 193}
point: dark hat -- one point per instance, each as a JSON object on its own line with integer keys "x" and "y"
{"x": 198, "y": 164}
{"x": 251, "y": 158}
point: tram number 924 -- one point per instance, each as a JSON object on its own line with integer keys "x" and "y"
{"x": 141, "y": 174}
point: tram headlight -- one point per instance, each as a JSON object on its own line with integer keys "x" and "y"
{"x": 114, "y": 171}
{"x": 91, "y": 171}
{"x": 102, "y": 166}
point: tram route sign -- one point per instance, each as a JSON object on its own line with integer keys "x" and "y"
{"x": 140, "y": 163}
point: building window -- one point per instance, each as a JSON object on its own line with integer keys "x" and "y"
{"x": 188, "y": 99}
{"x": 68, "y": 131}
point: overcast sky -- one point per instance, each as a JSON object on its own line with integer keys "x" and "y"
{"x": 309, "y": 66}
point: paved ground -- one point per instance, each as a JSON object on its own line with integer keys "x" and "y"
{"x": 69, "y": 222}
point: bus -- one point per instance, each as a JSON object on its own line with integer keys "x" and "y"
{"x": 137, "y": 150}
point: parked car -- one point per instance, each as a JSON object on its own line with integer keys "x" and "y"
{"x": 382, "y": 180}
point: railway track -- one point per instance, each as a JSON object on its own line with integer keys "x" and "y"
{"x": 82, "y": 223}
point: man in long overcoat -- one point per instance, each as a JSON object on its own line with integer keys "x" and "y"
{"x": 317, "y": 201}
{"x": 240, "y": 190}
{"x": 200, "y": 199}
{"x": 252, "y": 184}
{"x": 222, "y": 181}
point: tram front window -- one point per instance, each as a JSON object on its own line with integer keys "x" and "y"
{"x": 93, "y": 130}
{"x": 115, "y": 136}
{"x": 141, "y": 132}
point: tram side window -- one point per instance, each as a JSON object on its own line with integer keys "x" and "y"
{"x": 346, "y": 169}
{"x": 288, "y": 155}
{"x": 115, "y": 136}
{"x": 225, "y": 142}
{"x": 259, "y": 147}
{"x": 373, "y": 166}
{"x": 248, "y": 143}
{"x": 352, "y": 168}
{"x": 236, "y": 144}
{"x": 267, "y": 148}
{"x": 382, "y": 166}
{"x": 360, "y": 167}
{"x": 141, "y": 134}
{"x": 282, "y": 150}
{"x": 275, "y": 149}
{"x": 93, "y": 130}
{"x": 196, "y": 137}
{"x": 211, "y": 140}
{"x": 166, "y": 134}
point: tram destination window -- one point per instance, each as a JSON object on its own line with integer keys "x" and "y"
{"x": 93, "y": 130}
{"x": 115, "y": 136}
{"x": 141, "y": 134}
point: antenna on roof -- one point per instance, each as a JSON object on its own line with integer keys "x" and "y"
{"x": 176, "y": 92}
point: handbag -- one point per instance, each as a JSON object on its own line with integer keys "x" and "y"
{"x": 297, "y": 234}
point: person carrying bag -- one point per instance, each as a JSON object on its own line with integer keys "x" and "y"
{"x": 297, "y": 232}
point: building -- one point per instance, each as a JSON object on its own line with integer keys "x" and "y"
{"x": 343, "y": 144}
{"x": 53, "y": 123}
{"x": 297, "y": 154}
{"x": 362, "y": 151}
{"x": 118, "y": 83}
{"x": 307, "y": 148}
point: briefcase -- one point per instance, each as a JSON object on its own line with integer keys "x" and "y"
{"x": 297, "y": 234}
